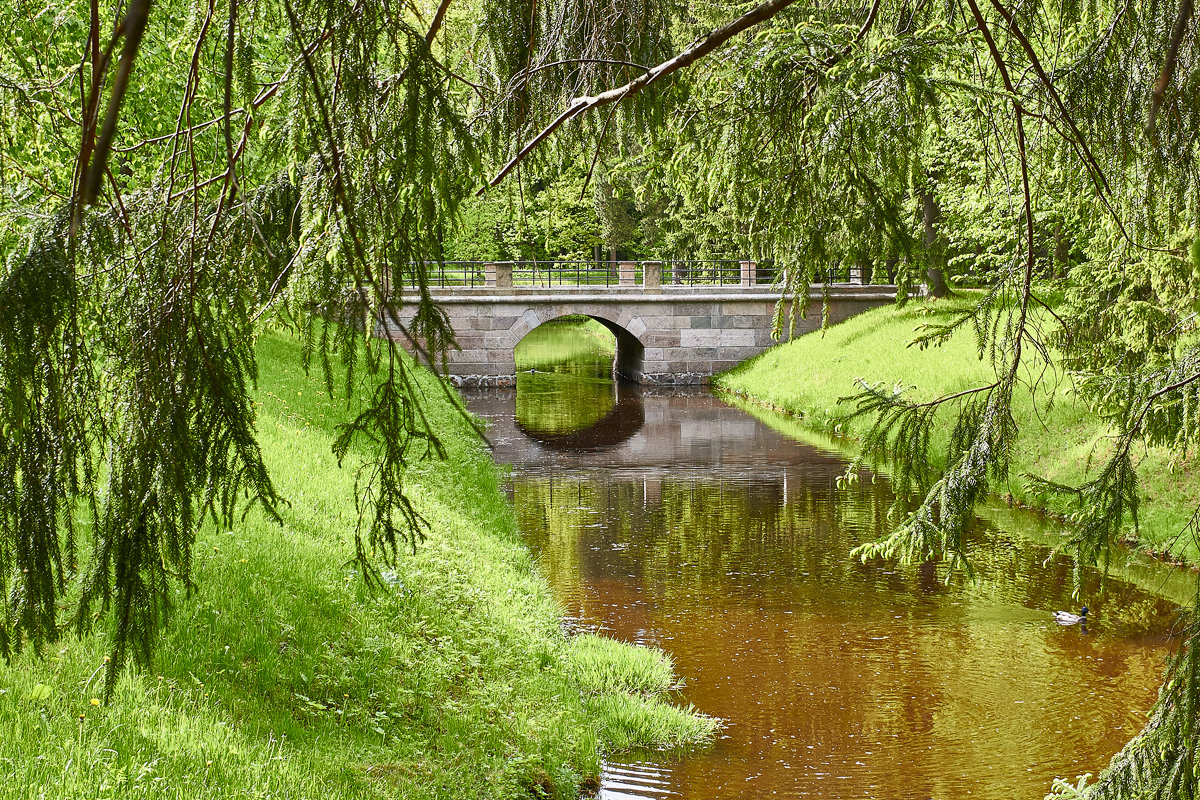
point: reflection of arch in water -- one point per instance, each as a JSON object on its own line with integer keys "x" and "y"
{"x": 627, "y": 365}
{"x": 620, "y": 424}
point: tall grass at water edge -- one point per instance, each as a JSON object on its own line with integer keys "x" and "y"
{"x": 282, "y": 676}
{"x": 811, "y": 376}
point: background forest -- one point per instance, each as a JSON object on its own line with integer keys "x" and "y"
{"x": 177, "y": 176}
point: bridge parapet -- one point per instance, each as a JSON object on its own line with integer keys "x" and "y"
{"x": 647, "y": 274}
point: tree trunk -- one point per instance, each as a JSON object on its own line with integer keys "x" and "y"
{"x": 935, "y": 245}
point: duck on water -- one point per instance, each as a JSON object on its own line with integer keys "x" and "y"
{"x": 1067, "y": 618}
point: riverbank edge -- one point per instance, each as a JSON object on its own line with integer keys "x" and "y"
{"x": 1161, "y": 519}
{"x": 282, "y": 674}
{"x": 1140, "y": 568}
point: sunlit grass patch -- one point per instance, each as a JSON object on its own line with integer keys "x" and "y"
{"x": 282, "y": 675}
{"x": 1061, "y": 439}
{"x": 630, "y": 721}
{"x": 599, "y": 665}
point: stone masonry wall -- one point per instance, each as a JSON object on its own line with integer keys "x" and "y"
{"x": 687, "y": 336}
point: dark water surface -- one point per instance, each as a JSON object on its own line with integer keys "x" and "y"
{"x": 674, "y": 520}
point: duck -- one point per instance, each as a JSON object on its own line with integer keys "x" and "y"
{"x": 1067, "y": 618}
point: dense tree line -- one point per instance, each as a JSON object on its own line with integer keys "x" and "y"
{"x": 175, "y": 175}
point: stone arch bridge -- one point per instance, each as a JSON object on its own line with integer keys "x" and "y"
{"x": 673, "y": 325}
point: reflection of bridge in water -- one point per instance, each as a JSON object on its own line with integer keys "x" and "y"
{"x": 620, "y": 424}
{"x": 651, "y": 436}
{"x": 675, "y": 322}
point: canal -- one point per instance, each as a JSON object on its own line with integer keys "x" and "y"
{"x": 672, "y": 519}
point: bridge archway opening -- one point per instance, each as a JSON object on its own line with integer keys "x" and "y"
{"x": 539, "y": 351}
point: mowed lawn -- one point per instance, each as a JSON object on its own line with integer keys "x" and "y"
{"x": 282, "y": 675}
{"x": 1061, "y": 439}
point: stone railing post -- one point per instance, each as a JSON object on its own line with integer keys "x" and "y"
{"x": 749, "y": 273}
{"x": 489, "y": 274}
{"x": 626, "y": 270}
{"x": 504, "y": 274}
{"x": 652, "y": 276}
{"x": 860, "y": 272}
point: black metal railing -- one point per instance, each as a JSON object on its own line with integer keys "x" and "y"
{"x": 454, "y": 273}
{"x": 571, "y": 273}
{"x": 672, "y": 272}
{"x": 717, "y": 272}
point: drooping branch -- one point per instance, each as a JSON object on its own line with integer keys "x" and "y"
{"x": 1168, "y": 71}
{"x": 985, "y": 428}
{"x": 1077, "y": 140}
{"x": 438, "y": 18}
{"x": 136, "y": 17}
{"x": 694, "y": 52}
{"x": 227, "y": 98}
{"x": 868, "y": 23}
{"x": 1019, "y": 113}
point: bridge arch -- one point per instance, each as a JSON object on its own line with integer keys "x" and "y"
{"x": 625, "y": 326}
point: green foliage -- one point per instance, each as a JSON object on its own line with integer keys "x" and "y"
{"x": 477, "y": 238}
{"x": 132, "y": 362}
{"x": 285, "y": 676}
{"x": 47, "y": 398}
{"x": 1129, "y": 314}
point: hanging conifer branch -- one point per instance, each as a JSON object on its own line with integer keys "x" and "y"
{"x": 697, "y": 50}
{"x": 137, "y": 15}
{"x": 1168, "y": 71}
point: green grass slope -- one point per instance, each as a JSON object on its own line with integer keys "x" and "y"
{"x": 809, "y": 376}
{"x": 282, "y": 676}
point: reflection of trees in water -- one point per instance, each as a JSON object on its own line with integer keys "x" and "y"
{"x": 687, "y": 534}
{"x": 731, "y": 549}
{"x": 940, "y": 681}
{"x": 587, "y": 418}
{"x": 552, "y": 403}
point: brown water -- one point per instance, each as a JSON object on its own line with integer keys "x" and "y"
{"x": 677, "y": 521}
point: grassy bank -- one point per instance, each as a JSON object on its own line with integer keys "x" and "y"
{"x": 808, "y": 377}
{"x": 570, "y": 339}
{"x": 282, "y": 676}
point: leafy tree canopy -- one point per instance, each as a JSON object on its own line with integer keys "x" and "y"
{"x": 176, "y": 174}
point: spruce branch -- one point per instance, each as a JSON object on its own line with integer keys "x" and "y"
{"x": 1159, "y": 92}
{"x": 695, "y": 51}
